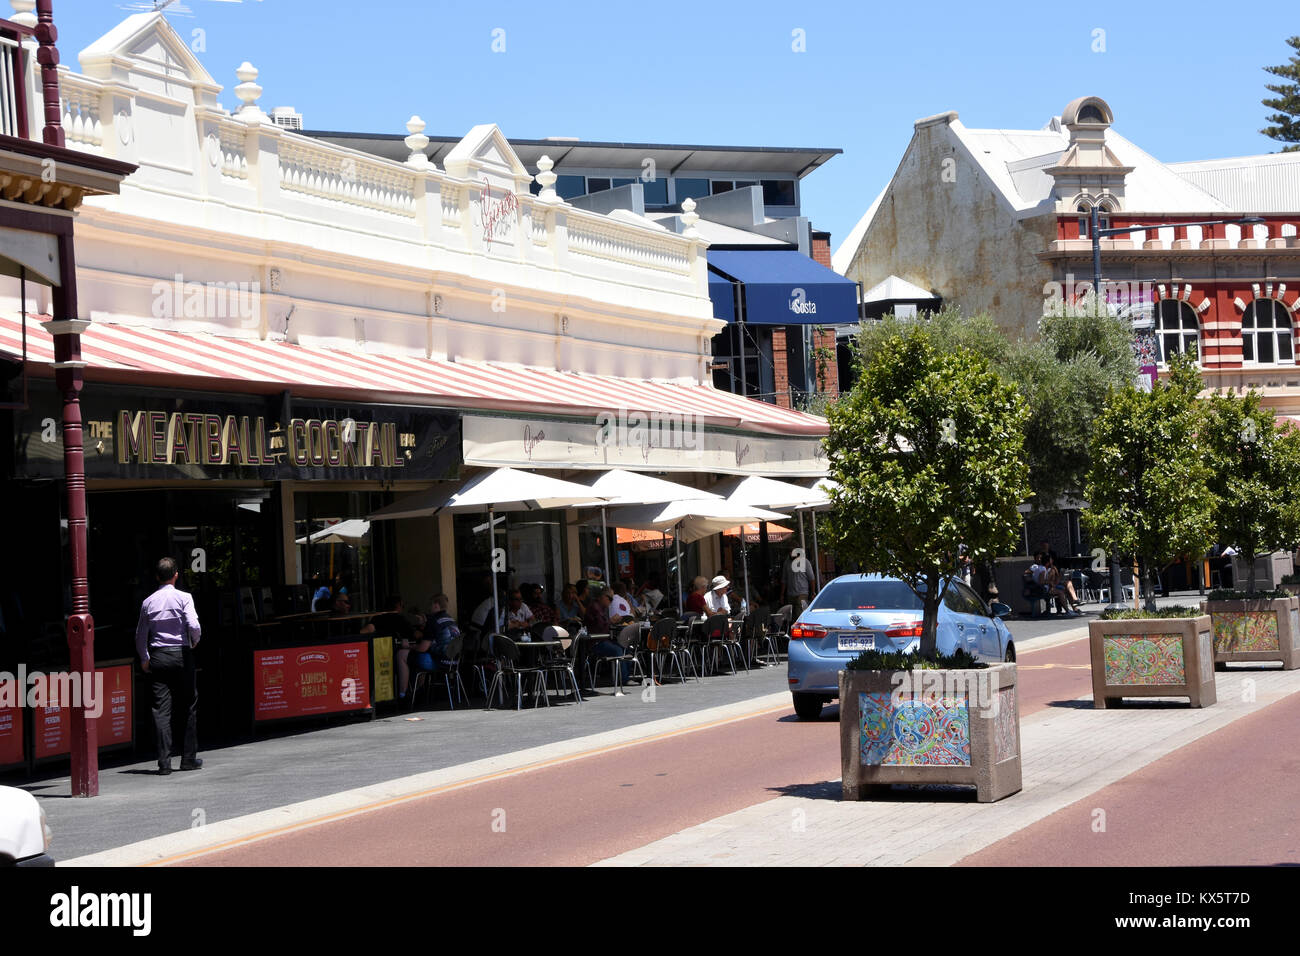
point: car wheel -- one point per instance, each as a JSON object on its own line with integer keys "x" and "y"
{"x": 1010, "y": 656}
{"x": 807, "y": 706}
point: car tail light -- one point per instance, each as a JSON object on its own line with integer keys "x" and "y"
{"x": 804, "y": 632}
{"x": 905, "y": 629}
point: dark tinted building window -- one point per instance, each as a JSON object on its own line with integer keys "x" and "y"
{"x": 722, "y": 186}
{"x": 597, "y": 184}
{"x": 778, "y": 192}
{"x": 693, "y": 188}
{"x": 656, "y": 191}
{"x": 570, "y": 187}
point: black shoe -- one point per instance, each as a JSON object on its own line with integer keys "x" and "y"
{"x": 164, "y": 769}
{"x": 197, "y": 764}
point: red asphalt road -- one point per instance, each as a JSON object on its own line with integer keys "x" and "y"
{"x": 1172, "y": 813}
{"x": 577, "y": 812}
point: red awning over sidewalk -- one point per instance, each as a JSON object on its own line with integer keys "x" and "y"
{"x": 151, "y": 356}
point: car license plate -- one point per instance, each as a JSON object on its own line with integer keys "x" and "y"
{"x": 857, "y": 642}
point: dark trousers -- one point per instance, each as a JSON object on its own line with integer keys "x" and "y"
{"x": 175, "y": 702}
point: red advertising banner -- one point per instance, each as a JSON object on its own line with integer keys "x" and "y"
{"x": 11, "y": 722}
{"x": 300, "y": 681}
{"x": 114, "y": 723}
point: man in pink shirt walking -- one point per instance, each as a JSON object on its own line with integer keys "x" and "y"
{"x": 165, "y": 640}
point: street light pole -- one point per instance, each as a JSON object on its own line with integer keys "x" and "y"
{"x": 1094, "y": 227}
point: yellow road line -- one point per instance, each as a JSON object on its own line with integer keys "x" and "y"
{"x": 444, "y": 788}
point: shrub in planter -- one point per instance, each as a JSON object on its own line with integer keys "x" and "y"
{"x": 1164, "y": 653}
{"x": 907, "y": 719}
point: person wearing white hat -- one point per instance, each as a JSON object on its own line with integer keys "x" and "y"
{"x": 716, "y": 600}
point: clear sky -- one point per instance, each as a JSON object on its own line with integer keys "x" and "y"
{"x": 1184, "y": 79}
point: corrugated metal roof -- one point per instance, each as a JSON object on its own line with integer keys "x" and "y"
{"x": 1267, "y": 183}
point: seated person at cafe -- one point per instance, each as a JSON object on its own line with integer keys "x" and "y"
{"x": 716, "y": 600}
{"x": 534, "y": 595}
{"x": 695, "y": 603}
{"x": 649, "y": 593}
{"x": 570, "y": 608}
{"x": 519, "y": 618}
{"x": 342, "y": 603}
{"x": 482, "y": 616}
{"x": 597, "y": 621}
{"x": 320, "y": 598}
{"x": 620, "y": 608}
{"x": 393, "y": 623}
{"x": 440, "y": 630}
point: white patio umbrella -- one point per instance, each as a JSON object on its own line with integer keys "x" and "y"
{"x": 345, "y": 532}
{"x": 503, "y": 489}
{"x": 690, "y": 520}
{"x": 770, "y": 493}
{"x": 634, "y": 488}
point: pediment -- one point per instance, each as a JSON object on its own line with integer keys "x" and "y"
{"x": 149, "y": 41}
{"x": 485, "y": 151}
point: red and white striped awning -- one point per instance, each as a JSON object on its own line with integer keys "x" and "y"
{"x": 150, "y": 356}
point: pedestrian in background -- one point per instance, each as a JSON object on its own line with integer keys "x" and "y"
{"x": 165, "y": 638}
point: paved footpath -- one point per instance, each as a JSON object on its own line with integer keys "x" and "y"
{"x": 1071, "y": 755}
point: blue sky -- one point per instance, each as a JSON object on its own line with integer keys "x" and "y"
{"x": 1184, "y": 79}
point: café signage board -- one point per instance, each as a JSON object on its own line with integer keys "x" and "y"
{"x": 303, "y": 681}
{"x": 152, "y": 433}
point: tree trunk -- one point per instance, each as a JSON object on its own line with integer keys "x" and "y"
{"x": 930, "y": 619}
{"x": 1250, "y": 571}
{"x": 1144, "y": 585}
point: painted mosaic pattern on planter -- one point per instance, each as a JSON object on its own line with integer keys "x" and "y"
{"x": 1005, "y": 732}
{"x": 1144, "y": 659}
{"x": 1245, "y": 632}
{"x": 1205, "y": 644}
{"x": 918, "y": 733}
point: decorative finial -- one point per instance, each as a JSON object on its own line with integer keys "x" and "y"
{"x": 546, "y": 179}
{"x": 248, "y": 91}
{"x": 23, "y": 15}
{"x": 689, "y": 218}
{"x": 416, "y": 143}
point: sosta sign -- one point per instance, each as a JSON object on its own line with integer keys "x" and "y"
{"x": 183, "y": 438}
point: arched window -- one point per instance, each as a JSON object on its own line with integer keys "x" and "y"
{"x": 1085, "y": 213}
{"x": 1176, "y": 329}
{"x": 1266, "y": 333}
{"x": 1091, "y": 114}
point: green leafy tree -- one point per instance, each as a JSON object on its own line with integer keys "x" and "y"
{"x": 928, "y": 448}
{"x": 1287, "y": 101}
{"x": 1148, "y": 486}
{"x": 1254, "y": 471}
{"x": 1064, "y": 375}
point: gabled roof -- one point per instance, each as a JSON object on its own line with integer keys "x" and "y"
{"x": 842, "y": 258}
{"x": 485, "y": 147}
{"x": 1016, "y": 161}
{"x": 1248, "y": 184}
{"x": 149, "y": 39}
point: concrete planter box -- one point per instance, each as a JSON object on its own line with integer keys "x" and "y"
{"x": 1156, "y": 657}
{"x": 930, "y": 727}
{"x": 1269, "y": 570}
{"x": 1290, "y": 588}
{"x": 1256, "y": 630}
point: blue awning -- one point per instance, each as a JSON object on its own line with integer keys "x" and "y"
{"x": 724, "y": 300}
{"x": 784, "y": 287}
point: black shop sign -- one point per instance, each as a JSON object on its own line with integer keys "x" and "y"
{"x": 152, "y": 433}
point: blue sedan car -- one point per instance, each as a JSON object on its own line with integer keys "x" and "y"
{"x": 858, "y": 612}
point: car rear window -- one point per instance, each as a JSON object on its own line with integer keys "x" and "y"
{"x": 866, "y": 596}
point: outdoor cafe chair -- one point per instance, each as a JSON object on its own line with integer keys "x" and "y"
{"x": 663, "y": 644}
{"x": 561, "y": 664}
{"x": 424, "y": 680}
{"x": 717, "y": 639}
{"x": 506, "y": 654}
{"x": 779, "y": 624}
{"x": 764, "y": 642}
{"x": 628, "y": 638}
